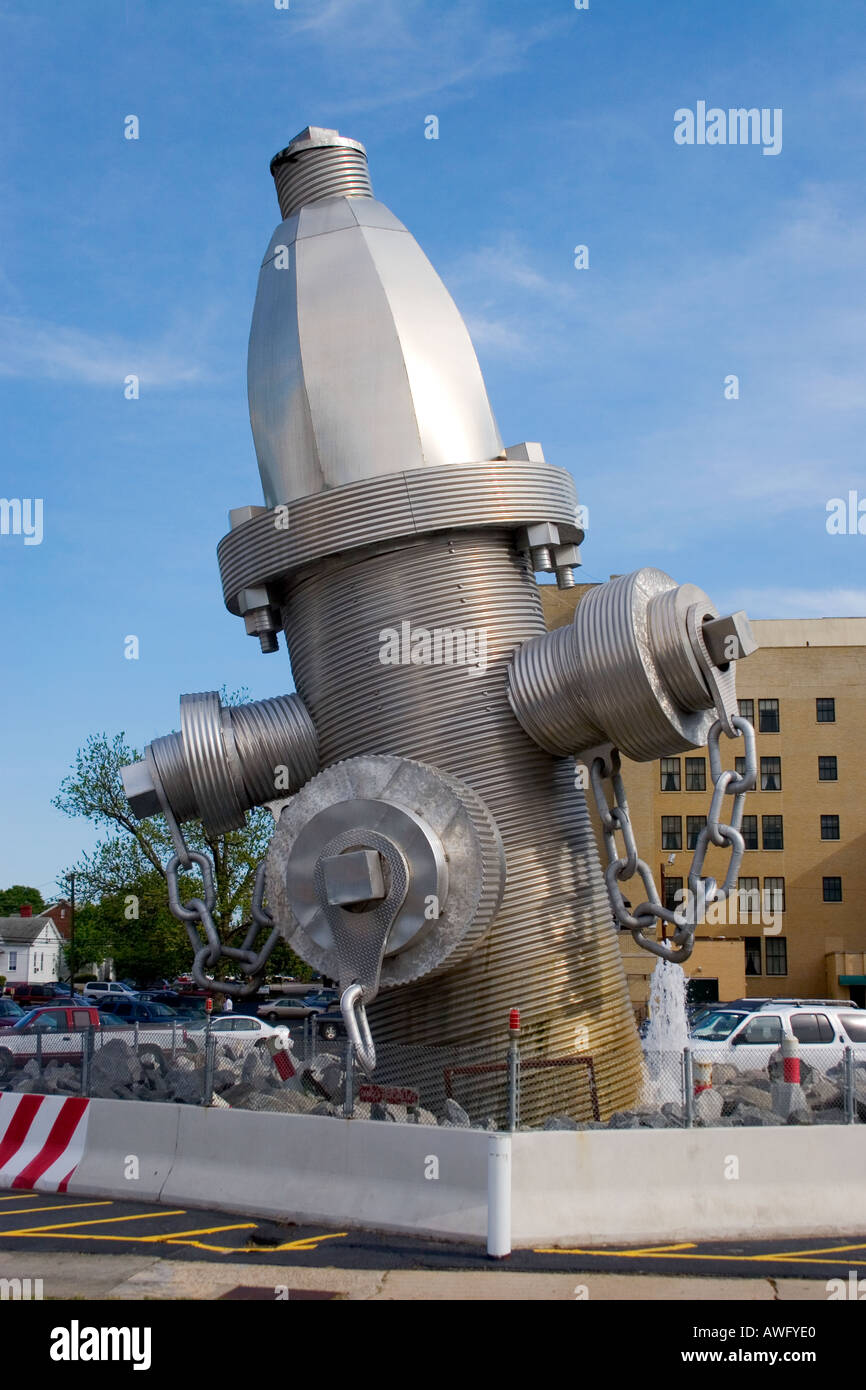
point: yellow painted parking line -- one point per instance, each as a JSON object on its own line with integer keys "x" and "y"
{"x": 303, "y": 1243}
{"x": 826, "y": 1250}
{"x": 18, "y": 1196}
{"x": 64, "y": 1206}
{"x": 102, "y": 1221}
{"x": 683, "y": 1253}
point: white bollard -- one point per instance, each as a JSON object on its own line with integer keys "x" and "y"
{"x": 499, "y": 1196}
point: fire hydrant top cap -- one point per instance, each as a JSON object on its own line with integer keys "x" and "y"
{"x": 311, "y": 138}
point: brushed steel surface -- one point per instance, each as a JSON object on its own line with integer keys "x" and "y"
{"x": 602, "y": 678}
{"x": 495, "y": 493}
{"x": 440, "y": 826}
{"x": 359, "y": 361}
{"x": 552, "y": 948}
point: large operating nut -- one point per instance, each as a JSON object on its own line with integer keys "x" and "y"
{"x": 139, "y": 789}
{"x": 729, "y": 638}
{"x": 353, "y": 877}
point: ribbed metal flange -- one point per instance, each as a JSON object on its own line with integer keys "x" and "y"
{"x": 619, "y": 673}
{"x": 320, "y": 163}
{"x": 227, "y": 759}
{"x": 217, "y": 795}
{"x": 500, "y": 492}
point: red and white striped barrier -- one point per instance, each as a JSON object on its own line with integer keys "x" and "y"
{"x": 41, "y": 1140}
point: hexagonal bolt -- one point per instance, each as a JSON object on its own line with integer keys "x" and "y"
{"x": 541, "y": 560}
{"x": 239, "y": 516}
{"x": 729, "y": 638}
{"x": 527, "y": 452}
{"x": 353, "y": 877}
{"x": 139, "y": 790}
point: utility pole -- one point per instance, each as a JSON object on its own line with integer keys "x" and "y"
{"x": 71, "y": 878}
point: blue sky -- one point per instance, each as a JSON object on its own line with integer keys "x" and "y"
{"x": 555, "y": 129}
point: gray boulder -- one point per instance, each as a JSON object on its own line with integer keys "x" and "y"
{"x": 455, "y": 1116}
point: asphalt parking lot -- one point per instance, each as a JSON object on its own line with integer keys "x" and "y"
{"x": 39, "y": 1225}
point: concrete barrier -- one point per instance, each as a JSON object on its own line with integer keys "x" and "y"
{"x": 350, "y": 1172}
{"x": 592, "y": 1187}
{"x": 129, "y": 1150}
{"x": 565, "y": 1188}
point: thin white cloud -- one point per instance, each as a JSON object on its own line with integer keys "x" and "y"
{"x": 33, "y": 348}
{"x": 774, "y": 602}
{"x": 418, "y": 50}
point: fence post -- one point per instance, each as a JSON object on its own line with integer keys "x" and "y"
{"x": 349, "y": 1087}
{"x": 514, "y": 1069}
{"x": 39, "y": 1048}
{"x": 688, "y": 1089}
{"x": 850, "y": 1086}
{"x": 307, "y": 1039}
{"x": 314, "y": 1035}
{"x": 86, "y": 1060}
{"x": 209, "y": 1056}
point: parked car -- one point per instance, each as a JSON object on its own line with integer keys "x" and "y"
{"x": 284, "y": 1006}
{"x": 139, "y": 1011}
{"x": 57, "y": 1034}
{"x": 322, "y": 998}
{"x": 98, "y": 989}
{"x": 29, "y": 996}
{"x": 190, "y": 1005}
{"x": 749, "y": 1039}
{"x": 330, "y": 1024}
{"x": 241, "y": 1026}
{"x": 9, "y": 1011}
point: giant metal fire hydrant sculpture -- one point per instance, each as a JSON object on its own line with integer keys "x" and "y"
{"x": 432, "y": 848}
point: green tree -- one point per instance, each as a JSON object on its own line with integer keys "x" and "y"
{"x": 13, "y": 899}
{"x": 121, "y": 883}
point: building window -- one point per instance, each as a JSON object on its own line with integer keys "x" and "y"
{"x": 774, "y": 895}
{"x": 696, "y": 774}
{"x": 771, "y": 774}
{"x": 672, "y": 832}
{"x": 768, "y": 716}
{"x": 832, "y": 890}
{"x": 749, "y": 898}
{"x": 827, "y": 769}
{"x": 771, "y": 832}
{"x": 747, "y": 710}
{"x": 672, "y": 887}
{"x": 750, "y": 832}
{"x": 740, "y": 766}
{"x": 777, "y": 955}
{"x": 670, "y": 774}
{"x": 694, "y": 826}
{"x": 753, "y": 955}
{"x": 13, "y": 960}
{"x": 825, "y": 711}
{"x": 829, "y": 827}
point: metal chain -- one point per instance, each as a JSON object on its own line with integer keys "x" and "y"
{"x": 702, "y": 891}
{"x": 198, "y": 912}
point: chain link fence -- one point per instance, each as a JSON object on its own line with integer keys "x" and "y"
{"x": 298, "y": 1071}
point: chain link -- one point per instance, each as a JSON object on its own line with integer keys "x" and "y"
{"x": 198, "y": 913}
{"x": 701, "y": 891}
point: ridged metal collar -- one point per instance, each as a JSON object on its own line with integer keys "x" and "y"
{"x": 319, "y": 163}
